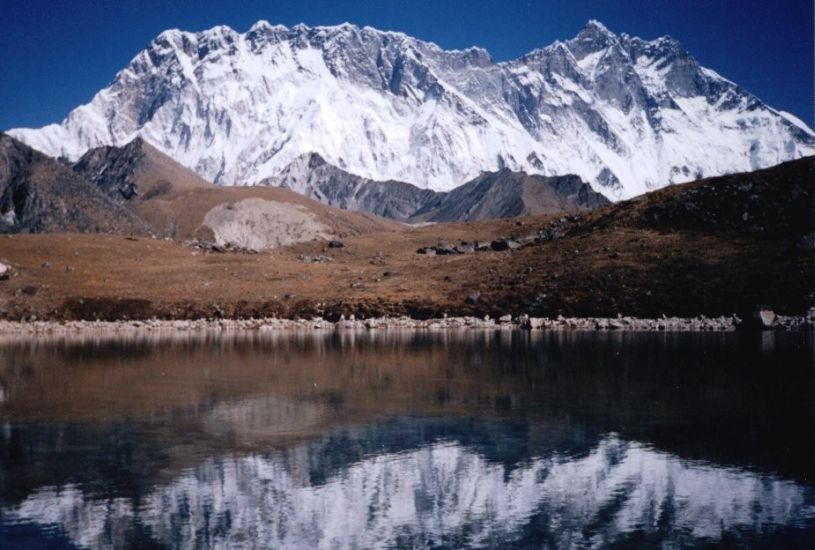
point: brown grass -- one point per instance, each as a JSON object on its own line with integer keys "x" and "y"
{"x": 685, "y": 250}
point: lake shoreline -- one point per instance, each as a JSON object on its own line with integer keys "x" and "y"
{"x": 523, "y": 322}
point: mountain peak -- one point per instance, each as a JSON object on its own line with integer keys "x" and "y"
{"x": 594, "y": 25}
{"x": 593, "y": 38}
{"x": 627, "y": 115}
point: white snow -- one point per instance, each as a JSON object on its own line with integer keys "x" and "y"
{"x": 441, "y": 490}
{"x": 238, "y": 109}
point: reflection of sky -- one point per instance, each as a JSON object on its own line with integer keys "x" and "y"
{"x": 438, "y": 493}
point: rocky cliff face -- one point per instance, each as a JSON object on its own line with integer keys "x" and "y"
{"x": 312, "y": 176}
{"x": 506, "y": 194}
{"x": 625, "y": 114}
{"x": 136, "y": 170}
{"x": 39, "y": 194}
{"x": 491, "y": 195}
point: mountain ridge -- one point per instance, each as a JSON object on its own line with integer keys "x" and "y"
{"x": 625, "y": 114}
{"x": 137, "y": 190}
{"x": 490, "y": 195}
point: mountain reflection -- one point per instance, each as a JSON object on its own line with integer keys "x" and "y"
{"x": 439, "y": 494}
{"x": 407, "y": 440}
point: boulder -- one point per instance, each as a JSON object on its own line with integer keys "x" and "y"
{"x": 335, "y": 244}
{"x": 504, "y": 244}
{"x": 445, "y": 250}
{"x": 5, "y": 271}
{"x": 765, "y": 317}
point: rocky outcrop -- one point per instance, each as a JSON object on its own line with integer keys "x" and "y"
{"x": 39, "y": 194}
{"x": 136, "y": 170}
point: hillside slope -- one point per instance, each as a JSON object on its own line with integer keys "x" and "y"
{"x": 507, "y": 194}
{"x": 137, "y": 190}
{"x": 685, "y": 250}
{"x": 39, "y": 194}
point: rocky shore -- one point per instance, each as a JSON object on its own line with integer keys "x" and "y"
{"x": 506, "y": 322}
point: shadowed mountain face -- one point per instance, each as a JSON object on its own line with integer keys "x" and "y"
{"x": 137, "y": 170}
{"x": 491, "y": 195}
{"x": 507, "y": 194}
{"x": 312, "y": 176}
{"x": 39, "y": 194}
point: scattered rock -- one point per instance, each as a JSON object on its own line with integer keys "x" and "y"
{"x": 218, "y": 248}
{"x": 314, "y": 259}
{"x": 220, "y": 323}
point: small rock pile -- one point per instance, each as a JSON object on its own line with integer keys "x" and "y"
{"x": 303, "y": 258}
{"x": 218, "y": 248}
{"x": 467, "y": 247}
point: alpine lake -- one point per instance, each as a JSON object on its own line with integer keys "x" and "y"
{"x": 408, "y": 439}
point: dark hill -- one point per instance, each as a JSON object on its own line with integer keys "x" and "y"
{"x": 39, "y": 194}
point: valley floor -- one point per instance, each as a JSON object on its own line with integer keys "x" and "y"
{"x": 714, "y": 247}
{"x": 590, "y": 272}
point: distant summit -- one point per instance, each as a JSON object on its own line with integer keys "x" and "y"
{"x": 624, "y": 114}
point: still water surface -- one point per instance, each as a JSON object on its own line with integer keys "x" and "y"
{"x": 360, "y": 440}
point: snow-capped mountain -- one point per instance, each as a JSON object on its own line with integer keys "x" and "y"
{"x": 625, "y": 114}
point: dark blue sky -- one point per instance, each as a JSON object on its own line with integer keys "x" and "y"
{"x": 58, "y": 53}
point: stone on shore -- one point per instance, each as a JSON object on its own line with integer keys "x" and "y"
{"x": 765, "y": 317}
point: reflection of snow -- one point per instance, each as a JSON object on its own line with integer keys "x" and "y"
{"x": 432, "y": 493}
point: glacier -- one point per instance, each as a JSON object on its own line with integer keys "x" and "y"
{"x": 625, "y": 114}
